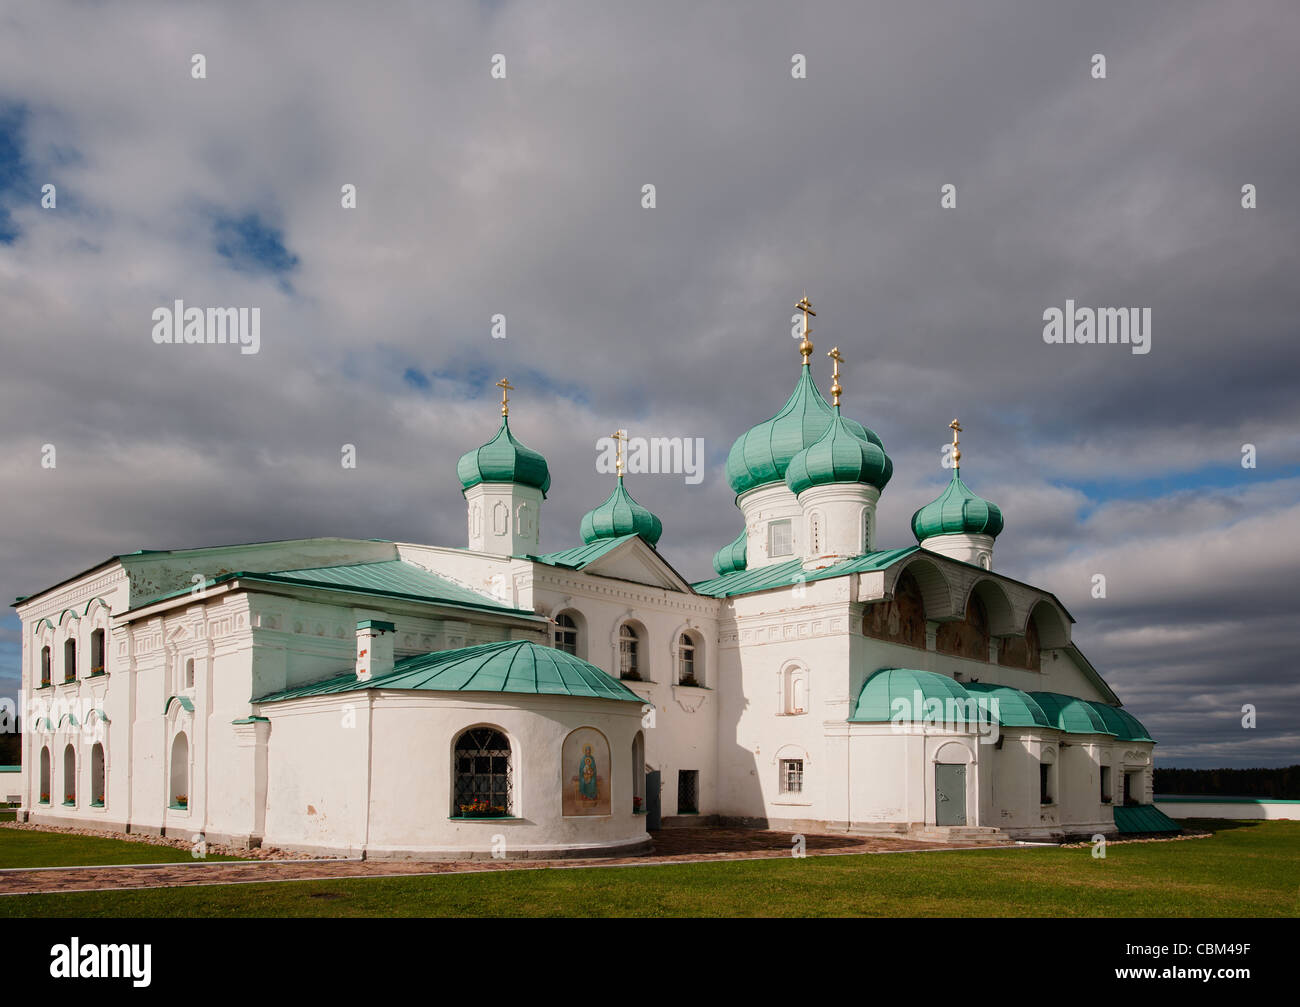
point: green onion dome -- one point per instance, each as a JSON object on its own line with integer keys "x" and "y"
{"x": 620, "y": 515}
{"x": 503, "y": 459}
{"x": 731, "y": 558}
{"x": 839, "y": 456}
{"x": 761, "y": 455}
{"x": 957, "y": 511}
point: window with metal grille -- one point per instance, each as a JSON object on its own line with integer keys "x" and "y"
{"x": 629, "y": 645}
{"x": 1044, "y": 783}
{"x": 791, "y": 776}
{"x": 688, "y": 791}
{"x": 97, "y": 652}
{"x": 69, "y": 660}
{"x": 1105, "y": 784}
{"x": 780, "y": 539}
{"x": 484, "y": 783}
{"x": 45, "y": 665}
{"x": 686, "y": 661}
{"x": 566, "y": 634}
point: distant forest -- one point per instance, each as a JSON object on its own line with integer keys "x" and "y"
{"x": 1279, "y": 784}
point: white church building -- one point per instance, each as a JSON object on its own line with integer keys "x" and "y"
{"x": 387, "y": 699}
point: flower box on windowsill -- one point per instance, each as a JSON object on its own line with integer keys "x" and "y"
{"x": 96, "y": 804}
{"x": 69, "y": 681}
{"x": 45, "y": 799}
{"x": 96, "y": 672}
{"x": 484, "y": 818}
{"x": 178, "y": 807}
{"x": 70, "y": 803}
{"x": 45, "y": 684}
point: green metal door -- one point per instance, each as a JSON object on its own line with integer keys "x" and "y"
{"x": 949, "y": 794}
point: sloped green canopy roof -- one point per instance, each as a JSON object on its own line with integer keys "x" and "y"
{"x": 620, "y": 515}
{"x": 1070, "y": 714}
{"x": 761, "y": 454}
{"x": 579, "y": 556}
{"x": 876, "y": 698}
{"x": 515, "y": 666}
{"x": 1015, "y": 708}
{"x": 504, "y": 459}
{"x": 731, "y": 557}
{"x": 957, "y": 511}
{"x": 1143, "y": 818}
{"x": 775, "y": 575}
{"x": 1121, "y": 723}
{"x": 387, "y": 578}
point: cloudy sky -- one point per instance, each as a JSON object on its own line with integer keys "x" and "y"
{"x": 522, "y": 196}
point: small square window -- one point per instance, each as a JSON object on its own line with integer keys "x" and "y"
{"x": 780, "y": 539}
{"x": 792, "y": 776}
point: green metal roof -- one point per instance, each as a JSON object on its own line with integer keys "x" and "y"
{"x": 387, "y": 578}
{"x": 761, "y": 454}
{"x": 1143, "y": 818}
{"x": 504, "y": 459}
{"x": 516, "y": 666}
{"x": 618, "y": 516}
{"x": 1015, "y": 708}
{"x": 879, "y": 692}
{"x": 732, "y": 557}
{"x": 838, "y": 456}
{"x": 1070, "y": 714}
{"x": 765, "y": 578}
{"x": 580, "y": 556}
{"x": 1121, "y": 723}
{"x": 185, "y": 701}
{"x": 957, "y": 511}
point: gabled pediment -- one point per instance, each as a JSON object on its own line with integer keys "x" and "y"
{"x": 636, "y": 562}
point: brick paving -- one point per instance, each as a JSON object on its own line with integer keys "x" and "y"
{"x": 670, "y": 846}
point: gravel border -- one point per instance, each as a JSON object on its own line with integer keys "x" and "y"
{"x": 215, "y": 849}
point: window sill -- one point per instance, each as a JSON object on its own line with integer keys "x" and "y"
{"x": 69, "y": 804}
{"x": 641, "y": 811}
{"x": 44, "y": 804}
{"x": 484, "y": 818}
{"x": 45, "y": 685}
{"x": 178, "y": 807}
{"x": 793, "y": 804}
{"x": 97, "y": 674}
{"x": 96, "y": 804}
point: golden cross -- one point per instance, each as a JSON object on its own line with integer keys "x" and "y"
{"x": 506, "y": 388}
{"x": 619, "y": 437}
{"x": 806, "y": 346}
{"x": 836, "y": 389}
{"x": 956, "y": 451}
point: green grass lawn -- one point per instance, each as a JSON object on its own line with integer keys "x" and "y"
{"x": 1246, "y": 869}
{"x": 27, "y": 848}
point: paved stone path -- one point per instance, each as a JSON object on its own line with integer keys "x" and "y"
{"x": 670, "y": 846}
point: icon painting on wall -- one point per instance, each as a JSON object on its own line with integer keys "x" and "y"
{"x": 585, "y": 769}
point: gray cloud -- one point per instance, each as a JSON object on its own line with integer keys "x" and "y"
{"x": 523, "y": 197}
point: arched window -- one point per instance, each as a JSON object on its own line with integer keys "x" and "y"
{"x": 180, "y": 776}
{"x": 189, "y": 673}
{"x": 97, "y": 665}
{"x": 70, "y": 775}
{"x": 794, "y": 690}
{"x": 688, "y": 670}
{"x": 566, "y": 634}
{"x": 1047, "y": 779}
{"x": 484, "y": 782}
{"x": 638, "y": 773}
{"x": 97, "y": 776}
{"x": 45, "y": 773}
{"x": 45, "y": 665}
{"x": 69, "y": 660}
{"x": 629, "y": 653}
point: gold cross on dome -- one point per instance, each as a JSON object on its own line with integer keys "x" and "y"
{"x": 836, "y": 388}
{"x": 956, "y": 451}
{"x": 806, "y": 346}
{"x": 506, "y": 388}
{"x": 619, "y": 437}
